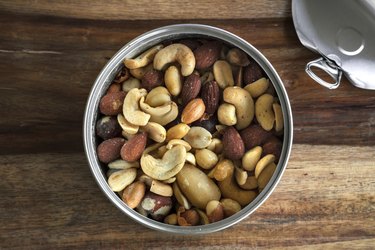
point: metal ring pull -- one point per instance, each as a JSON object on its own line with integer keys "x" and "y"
{"x": 327, "y": 66}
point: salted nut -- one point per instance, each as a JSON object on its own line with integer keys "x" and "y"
{"x": 279, "y": 123}
{"x": 168, "y": 117}
{"x": 158, "y": 96}
{"x": 160, "y": 188}
{"x": 173, "y": 80}
{"x": 155, "y": 131}
{"x": 175, "y": 142}
{"x": 168, "y": 166}
{"x": 180, "y": 197}
{"x": 266, "y": 175}
{"x": 264, "y": 111}
{"x": 176, "y": 52}
{"x": 121, "y": 179}
{"x": 251, "y": 158}
{"x": 263, "y": 163}
{"x": 127, "y": 126}
{"x": 143, "y": 59}
{"x": 223, "y": 74}
{"x": 257, "y": 88}
{"x": 227, "y": 114}
{"x": 198, "y": 137}
{"x": 140, "y": 72}
{"x": 178, "y": 131}
{"x": 244, "y": 104}
{"x": 122, "y": 164}
{"x": 131, "y": 83}
{"x": 131, "y": 110}
{"x": 190, "y": 158}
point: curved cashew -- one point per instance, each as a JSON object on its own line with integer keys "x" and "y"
{"x": 155, "y": 131}
{"x": 158, "y": 96}
{"x": 166, "y": 167}
{"x": 264, "y": 112}
{"x": 140, "y": 72}
{"x": 226, "y": 114}
{"x": 173, "y": 80}
{"x": 127, "y": 126}
{"x": 168, "y": 117}
{"x": 131, "y": 110}
{"x": 230, "y": 189}
{"x": 223, "y": 74}
{"x": 130, "y": 84}
{"x": 157, "y": 111}
{"x": 175, "y": 142}
{"x": 144, "y": 58}
{"x": 263, "y": 163}
{"x": 176, "y": 52}
{"x": 244, "y": 104}
{"x": 257, "y": 88}
{"x": 121, "y": 179}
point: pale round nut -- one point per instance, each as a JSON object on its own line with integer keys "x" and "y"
{"x": 131, "y": 83}
{"x": 193, "y": 111}
{"x": 227, "y": 114}
{"x": 251, "y": 158}
{"x": 223, "y": 74}
{"x": 198, "y": 137}
{"x": 258, "y": 88}
{"x": 178, "y": 131}
{"x": 121, "y": 179}
{"x": 155, "y": 131}
{"x": 205, "y": 158}
{"x": 160, "y": 188}
{"x": 133, "y": 194}
{"x": 171, "y": 219}
{"x": 264, "y": 111}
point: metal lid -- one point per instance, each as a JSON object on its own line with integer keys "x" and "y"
{"x": 343, "y": 32}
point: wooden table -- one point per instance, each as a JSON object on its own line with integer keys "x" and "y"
{"x": 50, "y": 55}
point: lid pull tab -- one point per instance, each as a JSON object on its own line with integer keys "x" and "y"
{"x": 327, "y": 66}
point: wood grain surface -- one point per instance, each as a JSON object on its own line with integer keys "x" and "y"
{"x": 51, "y": 53}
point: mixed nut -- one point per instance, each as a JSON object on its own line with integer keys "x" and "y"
{"x": 190, "y": 131}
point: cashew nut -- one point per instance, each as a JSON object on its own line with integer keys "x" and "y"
{"x": 198, "y": 137}
{"x": 266, "y": 175}
{"x": 158, "y": 96}
{"x": 122, "y": 164}
{"x": 251, "y": 157}
{"x": 143, "y": 59}
{"x": 279, "y": 121}
{"x": 230, "y": 189}
{"x": 264, "y": 112}
{"x": 131, "y": 108}
{"x": 140, "y": 72}
{"x": 176, "y": 52}
{"x": 244, "y": 104}
{"x": 173, "y": 80}
{"x": 168, "y": 117}
{"x": 175, "y": 142}
{"x": 131, "y": 83}
{"x": 226, "y": 114}
{"x": 127, "y": 126}
{"x": 121, "y": 179}
{"x": 155, "y": 131}
{"x": 160, "y": 188}
{"x": 257, "y": 88}
{"x": 263, "y": 163}
{"x": 178, "y": 131}
{"x": 223, "y": 74}
{"x": 154, "y": 111}
{"x": 168, "y": 166}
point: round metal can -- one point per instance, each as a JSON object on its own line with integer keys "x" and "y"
{"x": 134, "y": 48}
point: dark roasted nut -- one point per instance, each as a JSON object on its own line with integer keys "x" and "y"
{"x": 114, "y": 87}
{"x": 122, "y": 76}
{"x": 251, "y": 73}
{"x": 111, "y": 103}
{"x": 210, "y": 95}
{"x": 273, "y": 145}
{"x": 207, "y": 54}
{"x": 188, "y": 218}
{"x": 237, "y": 57}
{"x": 107, "y": 127}
{"x": 133, "y": 149}
{"x": 157, "y": 206}
{"x": 190, "y": 88}
{"x": 109, "y": 150}
{"x": 151, "y": 79}
{"x": 254, "y": 135}
{"x": 233, "y": 146}
{"x": 208, "y": 122}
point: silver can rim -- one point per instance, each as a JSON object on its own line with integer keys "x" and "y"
{"x": 133, "y": 48}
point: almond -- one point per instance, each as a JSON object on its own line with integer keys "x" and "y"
{"x": 193, "y": 111}
{"x": 151, "y": 79}
{"x": 210, "y": 95}
{"x": 233, "y": 146}
{"x": 111, "y": 103}
{"x": 254, "y": 135}
{"x": 251, "y": 73}
{"x": 273, "y": 145}
{"x": 109, "y": 150}
{"x": 207, "y": 54}
{"x": 132, "y": 150}
{"x": 190, "y": 88}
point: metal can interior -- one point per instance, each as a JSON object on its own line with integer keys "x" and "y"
{"x": 134, "y": 48}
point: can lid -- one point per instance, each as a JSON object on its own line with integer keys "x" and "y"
{"x": 343, "y": 33}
